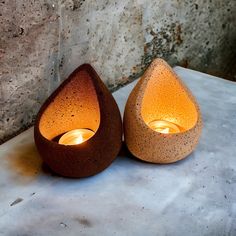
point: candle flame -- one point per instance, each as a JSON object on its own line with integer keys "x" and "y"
{"x": 79, "y": 139}
{"x": 76, "y": 136}
{"x": 165, "y": 131}
{"x": 164, "y": 127}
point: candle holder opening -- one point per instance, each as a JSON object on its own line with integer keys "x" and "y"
{"x": 166, "y": 99}
{"x": 74, "y": 107}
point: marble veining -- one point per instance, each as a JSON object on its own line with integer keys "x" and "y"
{"x": 195, "y": 196}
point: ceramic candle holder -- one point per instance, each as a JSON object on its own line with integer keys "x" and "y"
{"x": 162, "y": 120}
{"x": 83, "y": 104}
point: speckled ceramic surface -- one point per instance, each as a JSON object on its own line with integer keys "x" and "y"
{"x": 192, "y": 197}
{"x": 161, "y": 95}
{"x": 81, "y": 102}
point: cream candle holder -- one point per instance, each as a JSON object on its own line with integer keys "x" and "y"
{"x": 162, "y": 120}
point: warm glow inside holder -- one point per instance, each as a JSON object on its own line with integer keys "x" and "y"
{"x": 78, "y": 130}
{"x": 162, "y": 120}
{"x": 164, "y": 126}
{"x": 76, "y": 136}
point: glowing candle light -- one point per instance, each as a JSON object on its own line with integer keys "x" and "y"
{"x": 76, "y": 136}
{"x": 163, "y": 126}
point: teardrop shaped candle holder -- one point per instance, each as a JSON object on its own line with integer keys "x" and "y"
{"x": 162, "y": 120}
{"x": 78, "y": 130}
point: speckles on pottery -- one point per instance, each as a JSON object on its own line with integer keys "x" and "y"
{"x": 161, "y": 95}
{"x": 81, "y": 102}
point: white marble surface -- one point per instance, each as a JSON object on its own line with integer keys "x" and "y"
{"x": 196, "y": 196}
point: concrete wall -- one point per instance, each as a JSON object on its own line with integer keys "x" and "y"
{"x": 43, "y": 41}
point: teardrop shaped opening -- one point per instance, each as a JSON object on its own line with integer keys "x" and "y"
{"x": 167, "y": 106}
{"x": 74, "y": 106}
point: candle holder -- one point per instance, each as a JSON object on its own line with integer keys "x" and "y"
{"x": 78, "y": 130}
{"x": 162, "y": 120}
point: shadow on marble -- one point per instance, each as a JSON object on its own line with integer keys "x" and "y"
{"x": 24, "y": 160}
{"x": 26, "y": 163}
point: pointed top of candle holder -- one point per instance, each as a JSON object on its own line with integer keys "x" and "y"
{"x": 161, "y": 96}
{"x": 81, "y": 102}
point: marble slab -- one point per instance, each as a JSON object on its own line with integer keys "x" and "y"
{"x": 196, "y": 196}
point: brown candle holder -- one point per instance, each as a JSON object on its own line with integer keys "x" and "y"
{"x": 162, "y": 120}
{"x": 81, "y": 102}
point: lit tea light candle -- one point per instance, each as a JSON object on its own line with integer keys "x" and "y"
{"x": 76, "y": 136}
{"x": 163, "y": 126}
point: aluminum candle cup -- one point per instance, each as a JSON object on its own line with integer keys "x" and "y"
{"x": 162, "y": 120}
{"x": 78, "y": 130}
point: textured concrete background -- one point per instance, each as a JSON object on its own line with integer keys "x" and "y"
{"x": 43, "y": 41}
